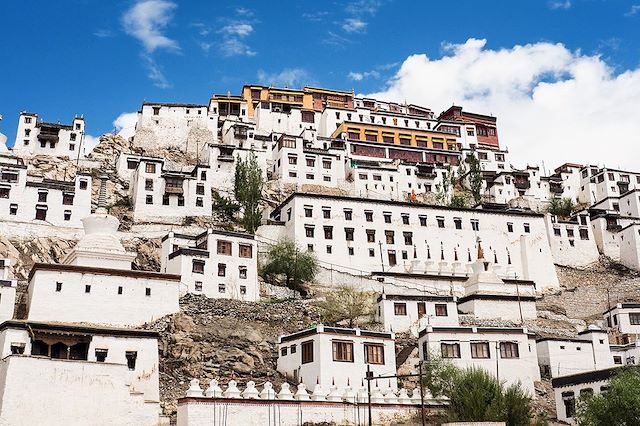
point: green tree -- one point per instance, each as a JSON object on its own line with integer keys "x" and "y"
{"x": 562, "y": 207}
{"x": 458, "y": 201}
{"x": 619, "y": 406}
{"x": 475, "y": 177}
{"x": 287, "y": 265}
{"x": 347, "y": 304}
{"x": 439, "y": 375}
{"x": 227, "y": 207}
{"x": 248, "y": 191}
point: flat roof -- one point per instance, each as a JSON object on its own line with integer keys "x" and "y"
{"x": 334, "y": 330}
{"x": 101, "y": 271}
{"x": 469, "y": 329}
{"x": 211, "y": 231}
{"x": 586, "y": 377}
{"x": 631, "y": 305}
{"x": 415, "y": 297}
{"x": 396, "y": 203}
{"x": 80, "y": 328}
{"x": 170, "y": 104}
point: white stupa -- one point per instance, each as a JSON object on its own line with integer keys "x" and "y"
{"x": 100, "y": 246}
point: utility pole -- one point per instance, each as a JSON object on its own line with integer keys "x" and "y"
{"x": 421, "y": 393}
{"x": 369, "y": 377}
{"x": 519, "y": 304}
{"x": 497, "y": 361}
{"x": 381, "y": 258}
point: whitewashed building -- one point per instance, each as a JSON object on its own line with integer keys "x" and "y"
{"x": 8, "y": 286}
{"x": 570, "y": 388}
{"x": 349, "y": 234}
{"x": 95, "y": 283}
{"x": 101, "y": 376}
{"x": 404, "y": 312}
{"x": 33, "y": 199}
{"x": 623, "y": 318}
{"x": 559, "y": 356}
{"x": 161, "y": 191}
{"x": 572, "y": 241}
{"x": 186, "y": 127}
{"x": 36, "y": 137}
{"x": 508, "y": 353}
{"x": 219, "y": 264}
{"x": 332, "y": 356}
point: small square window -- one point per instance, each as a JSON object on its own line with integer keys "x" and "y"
{"x": 198, "y": 286}
{"x": 372, "y": 252}
{"x": 87, "y": 288}
{"x": 13, "y": 209}
{"x": 350, "y": 251}
{"x": 149, "y": 199}
{"x": 58, "y": 286}
{"x": 242, "y": 272}
{"x": 119, "y": 289}
{"x": 147, "y": 291}
{"x": 243, "y": 289}
{"x": 131, "y": 359}
{"x": 83, "y": 184}
{"x": 101, "y": 355}
{"x": 67, "y": 215}
{"x": 222, "y": 288}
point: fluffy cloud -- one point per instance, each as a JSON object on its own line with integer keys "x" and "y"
{"x": 359, "y": 76}
{"x": 354, "y": 25}
{"x": 146, "y": 21}
{"x": 289, "y": 77}
{"x": 90, "y": 142}
{"x": 552, "y": 104}
{"x": 557, "y": 4}
{"x": 125, "y": 124}
{"x": 241, "y": 29}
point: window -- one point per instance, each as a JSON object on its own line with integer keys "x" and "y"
{"x": 120, "y": 289}
{"x": 441, "y": 310}
{"x": 569, "y": 232}
{"x": 131, "y": 359}
{"x": 389, "y": 236}
{"x": 450, "y": 350}
{"x": 348, "y": 214}
{"x": 527, "y": 228}
{"x": 326, "y": 164}
{"x": 509, "y": 227}
{"x": 67, "y": 215}
{"x": 311, "y": 162}
{"x": 200, "y": 189}
{"x": 306, "y": 350}
{"x": 408, "y": 238}
{"x": 400, "y": 309}
{"x": 405, "y": 219}
{"x": 203, "y": 175}
{"x": 373, "y": 353}
{"x": 342, "y": 351}
{"x": 328, "y": 232}
{"x": 348, "y": 234}
{"x": 509, "y": 350}
{"x": 165, "y": 200}
{"x": 457, "y": 222}
{"x": 13, "y": 209}
{"x": 480, "y": 350}
{"x": 41, "y": 213}
{"x": 243, "y": 289}
{"x": 198, "y": 286}
{"x": 283, "y": 351}
{"x": 222, "y": 288}
{"x": 309, "y": 231}
{"x": 475, "y": 224}
{"x": 224, "y": 247}
{"x": 148, "y": 184}
{"x": 199, "y": 202}
{"x": 329, "y": 249}
{"x": 569, "y": 403}
{"x": 222, "y": 269}
{"x": 58, "y": 286}
{"x": 391, "y": 254}
{"x": 440, "y": 221}
{"x": 371, "y": 235}
{"x": 83, "y": 184}
{"x": 387, "y": 217}
{"x": 422, "y": 309}
{"x": 634, "y": 318}
{"x": 372, "y": 252}
{"x": 4, "y": 192}
{"x": 326, "y": 212}
{"x": 132, "y": 164}
{"x": 246, "y": 250}
{"x": 147, "y": 291}
{"x": 197, "y": 266}
{"x": 368, "y": 215}
{"x": 101, "y": 355}
{"x": 308, "y": 211}
{"x": 326, "y": 178}
{"x": 149, "y": 199}
{"x": 42, "y": 196}
{"x": 556, "y": 231}
{"x": 423, "y": 220}
{"x": 584, "y": 234}
{"x": 617, "y": 360}
{"x": 242, "y": 272}
{"x": 350, "y": 251}
{"x": 293, "y": 160}
{"x": 150, "y": 167}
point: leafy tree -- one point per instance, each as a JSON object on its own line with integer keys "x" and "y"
{"x": 248, "y": 191}
{"x": 619, "y": 406}
{"x": 448, "y": 182}
{"x": 287, "y": 265}
{"x": 475, "y": 177}
{"x": 458, "y": 201}
{"x": 561, "y": 207}
{"x": 439, "y": 375}
{"x": 227, "y": 207}
{"x": 347, "y": 303}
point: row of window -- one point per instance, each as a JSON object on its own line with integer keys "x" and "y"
{"x": 310, "y": 161}
{"x": 197, "y": 267}
{"x": 584, "y": 233}
{"x": 151, "y": 168}
{"x": 166, "y": 200}
{"x": 87, "y": 289}
{"x": 342, "y": 351}
{"x": 309, "y": 176}
{"x": 383, "y": 120}
{"x": 67, "y": 199}
{"x": 148, "y": 186}
{"x": 478, "y": 350}
{"x": 222, "y": 288}
{"x": 400, "y": 309}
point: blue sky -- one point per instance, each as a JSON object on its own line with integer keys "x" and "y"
{"x": 103, "y": 58}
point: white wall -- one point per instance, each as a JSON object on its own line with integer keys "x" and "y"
{"x": 572, "y": 247}
{"x": 572, "y": 356}
{"x": 103, "y": 304}
{"x": 412, "y": 321}
{"x": 69, "y": 144}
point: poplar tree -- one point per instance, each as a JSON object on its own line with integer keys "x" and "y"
{"x": 248, "y": 191}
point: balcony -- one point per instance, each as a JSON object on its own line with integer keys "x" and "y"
{"x": 173, "y": 190}
{"x": 556, "y": 189}
{"x": 522, "y": 185}
{"x": 240, "y": 132}
{"x": 226, "y": 157}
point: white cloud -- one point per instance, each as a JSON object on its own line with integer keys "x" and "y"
{"x": 359, "y": 7}
{"x": 146, "y": 21}
{"x": 155, "y": 73}
{"x": 90, "y": 142}
{"x": 635, "y": 9}
{"x": 102, "y": 33}
{"x": 235, "y": 47}
{"x": 359, "y": 76}
{"x": 289, "y": 77}
{"x": 336, "y": 40}
{"x": 318, "y": 16}
{"x": 354, "y": 25}
{"x": 558, "y": 4}
{"x": 240, "y": 29}
{"x": 552, "y": 104}
{"x": 125, "y": 124}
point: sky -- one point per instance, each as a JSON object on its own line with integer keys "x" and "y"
{"x": 562, "y": 76}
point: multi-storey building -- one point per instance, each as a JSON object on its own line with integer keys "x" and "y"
{"x": 35, "y": 137}
{"x": 572, "y": 241}
{"x": 403, "y": 312}
{"x": 354, "y": 234}
{"x": 485, "y": 132}
{"x": 160, "y": 190}
{"x": 219, "y": 264}
{"x": 33, "y": 199}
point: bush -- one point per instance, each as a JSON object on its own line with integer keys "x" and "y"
{"x": 562, "y": 207}
{"x": 287, "y": 265}
{"x": 347, "y": 303}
